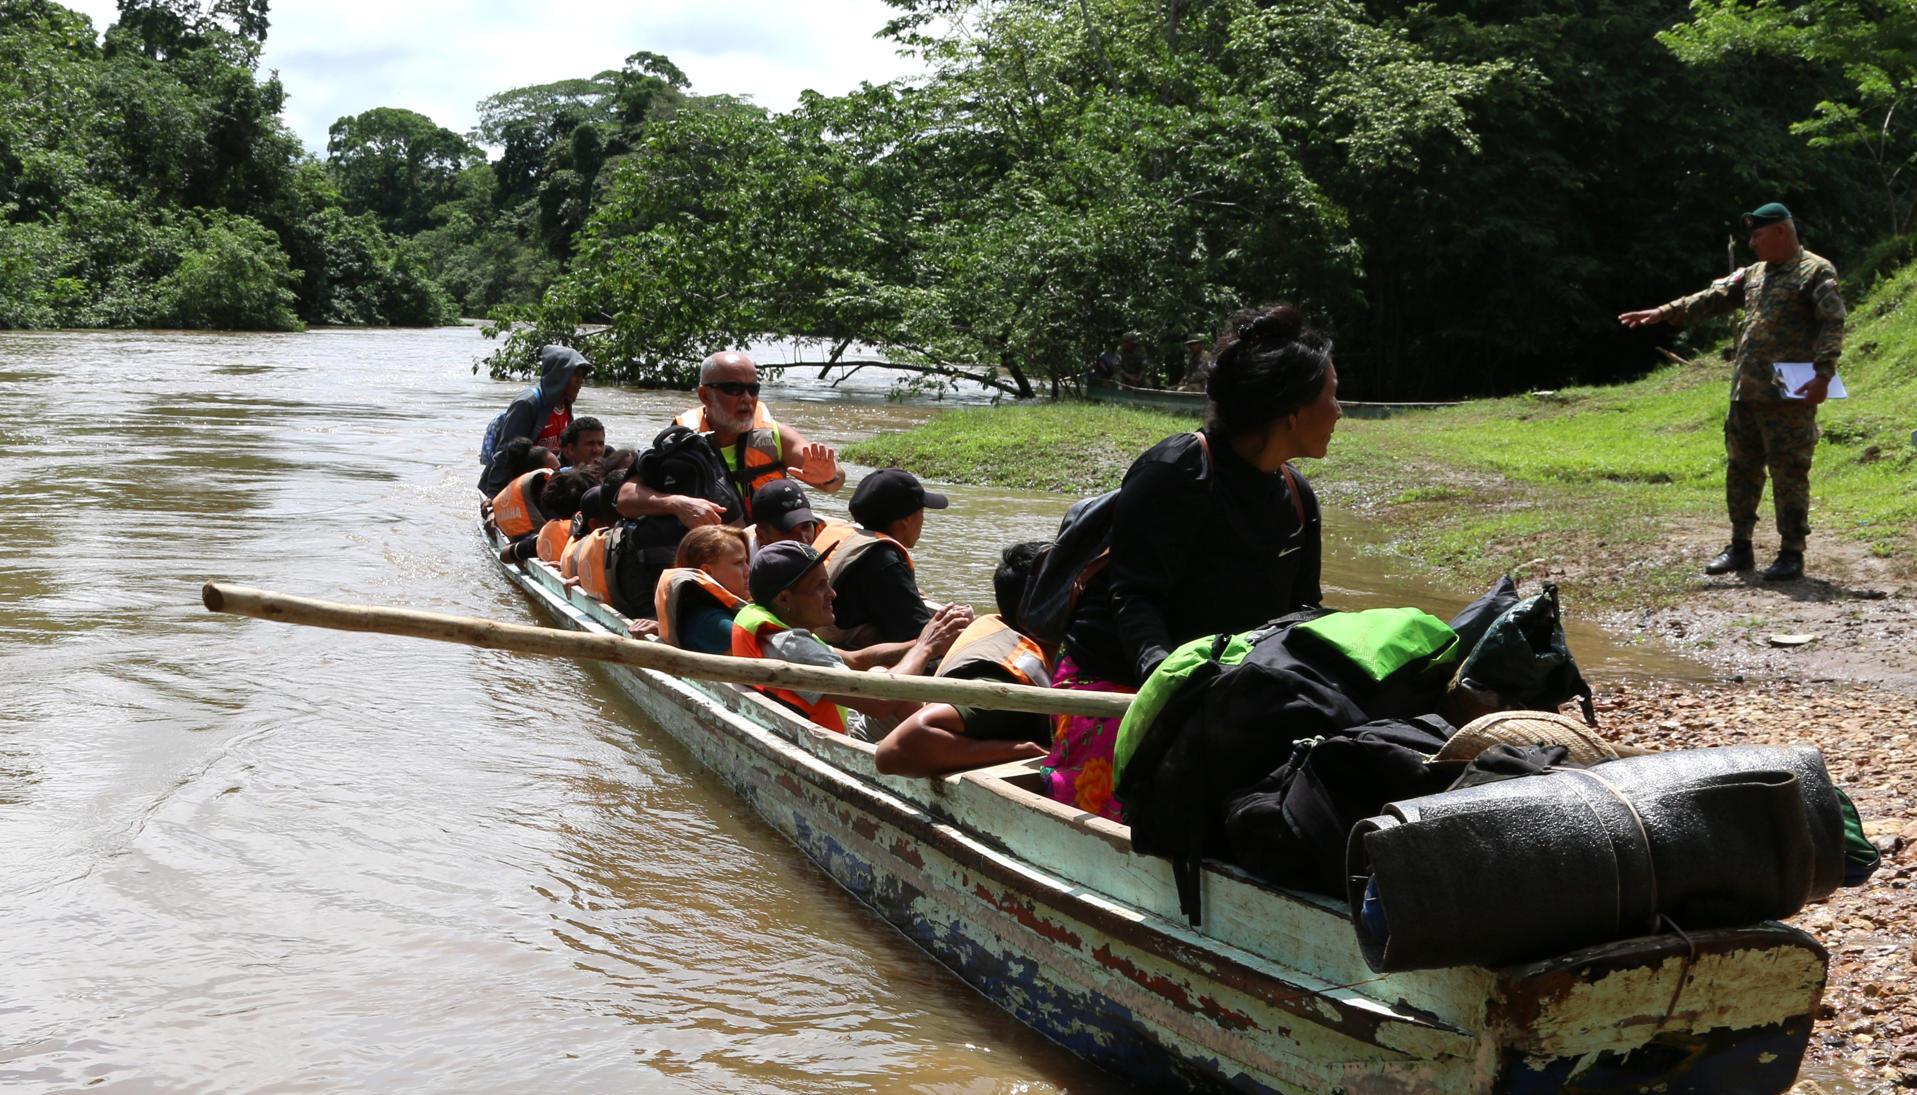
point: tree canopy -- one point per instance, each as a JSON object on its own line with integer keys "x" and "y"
{"x": 1466, "y": 193}
{"x": 147, "y": 178}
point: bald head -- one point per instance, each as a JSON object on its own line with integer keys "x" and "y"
{"x": 729, "y": 391}
{"x": 727, "y": 365}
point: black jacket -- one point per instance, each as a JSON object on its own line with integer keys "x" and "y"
{"x": 1199, "y": 547}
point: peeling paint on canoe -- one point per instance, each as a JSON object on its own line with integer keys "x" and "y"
{"x": 1049, "y": 915}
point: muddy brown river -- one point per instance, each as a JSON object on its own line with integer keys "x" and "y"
{"x": 238, "y": 856}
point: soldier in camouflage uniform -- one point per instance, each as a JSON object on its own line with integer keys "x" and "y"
{"x": 1792, "y": 312}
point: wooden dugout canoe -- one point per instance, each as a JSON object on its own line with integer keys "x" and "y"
{"x": 1046, "y": 912}
{"x": 1100, "y": 390}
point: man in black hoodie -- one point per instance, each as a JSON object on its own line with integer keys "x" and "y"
{"x": 541, "y": 412}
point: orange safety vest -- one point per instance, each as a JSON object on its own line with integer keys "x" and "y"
{"x": 988, "y": 647}
{"x": 516, "y": 509}
{"x": 852, "y": 543}
{"x": 554, "y": 536}
{"x": 750, "y": 628}
{"x": 755, "y": 459}
{"x": 586, "y": 559}
{"x": 675, "y": 586}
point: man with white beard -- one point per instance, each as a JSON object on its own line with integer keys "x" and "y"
{"x": 757, "y": 449}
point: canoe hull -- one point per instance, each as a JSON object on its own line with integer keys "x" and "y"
{"x": 1274, "y": 999}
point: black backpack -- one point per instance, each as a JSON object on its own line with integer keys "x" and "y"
{"x": 684, "y": 461}
{"x": 681, "y": 461}
{"x": 1079, "y": 552}
{"x": 1291, "y": 827}
{"x": 1065, "y": 567}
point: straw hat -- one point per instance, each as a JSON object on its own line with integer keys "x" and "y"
{"x": 1528, "y": 728}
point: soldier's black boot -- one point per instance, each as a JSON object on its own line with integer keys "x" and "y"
{"x": 1735, "y": 557}
{"x": 1789, "y": 565}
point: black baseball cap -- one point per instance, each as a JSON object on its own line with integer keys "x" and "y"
{"x": 778, "y": 567}
{"x": 887, "y": 496}
{"x": 597, "y": 503}
{"x": 781, "y": 504}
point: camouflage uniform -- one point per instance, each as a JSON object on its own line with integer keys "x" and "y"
{"x": 1792, "y": 312}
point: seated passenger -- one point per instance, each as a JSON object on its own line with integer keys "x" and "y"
{"x": 582, "y": 443}
{"x": 697, "y": 599}
{"x": 1212, "y": 533}
{"x": 514, "y": 511}
{"x": 939, "y": 737}
{"x": 780, "y": 512}
{"x": 792, "y": 595}
{"x": 876, "y": 597}
{"x": 558, "y": 503}
{"x": 587, "y": 562}
{"x": 541, "y": 413}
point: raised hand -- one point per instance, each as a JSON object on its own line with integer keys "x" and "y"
{"x": 818, "y": 465}
{"x": 944, "y": 627}
{"x": 1644, "y": 318}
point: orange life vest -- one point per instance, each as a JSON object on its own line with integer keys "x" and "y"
{"x": 554, "y": 536}
{"x": 988, "y": 647}
{"x": 755, "y": 459}
{"x": 516, "y": 509}
{"x": 851, "y": 542}
{"x": 750, "y": 628}
{"x": 675, "y": 589}
{"x": 586, "y": 559}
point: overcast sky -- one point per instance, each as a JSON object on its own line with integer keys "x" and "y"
{"x": 438, "y": 57}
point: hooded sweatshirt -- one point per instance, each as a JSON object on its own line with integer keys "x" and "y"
{"x": 534, "y": 406}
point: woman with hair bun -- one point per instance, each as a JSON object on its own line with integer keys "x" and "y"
{"x": 1213, "y": 532}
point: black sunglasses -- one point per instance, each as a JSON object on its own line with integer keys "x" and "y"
{"x": 735, "y": 387}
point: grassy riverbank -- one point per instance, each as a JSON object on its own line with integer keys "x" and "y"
{"x": 1613, "y": 490}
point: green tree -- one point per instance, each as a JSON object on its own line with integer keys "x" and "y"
{"x": 355, "y": 274}
{"x": 1873, "y": 45}
{"x": 397, "y": 165}
{"x": 163, "y": 29}
{"x": 232, "y": 275}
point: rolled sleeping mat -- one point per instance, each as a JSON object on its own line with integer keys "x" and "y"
{"x": 1528, "y": 868}
{"x": 1824, "y": 812}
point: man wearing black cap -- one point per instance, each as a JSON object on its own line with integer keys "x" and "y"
{"x": 878, "y": 599}
{"x": 1793, "y": 312}
{"x": 781, "y": 512}
{"x": 792, "y": 598}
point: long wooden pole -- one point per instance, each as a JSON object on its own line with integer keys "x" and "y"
{"x": 555, "y": 643}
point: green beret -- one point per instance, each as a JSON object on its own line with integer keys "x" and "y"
{"x": 1766, "y": 215}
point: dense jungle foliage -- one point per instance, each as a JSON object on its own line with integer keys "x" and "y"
{"x": 1468, "y": 193}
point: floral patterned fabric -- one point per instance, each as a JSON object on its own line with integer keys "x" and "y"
{"x": 1078, "y": 771}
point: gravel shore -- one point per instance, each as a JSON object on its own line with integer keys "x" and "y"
{"x": 1866, "y": 1035}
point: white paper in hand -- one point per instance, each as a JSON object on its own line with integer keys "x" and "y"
{"x": 1795, "y": 374}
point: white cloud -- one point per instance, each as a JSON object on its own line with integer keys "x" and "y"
{"x": 440, "y": 57}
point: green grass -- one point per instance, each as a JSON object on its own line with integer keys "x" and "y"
{"x": 1072, "y": 448}
{"x": 1582, "y": 474}
{"x": 1608, "y": 468}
